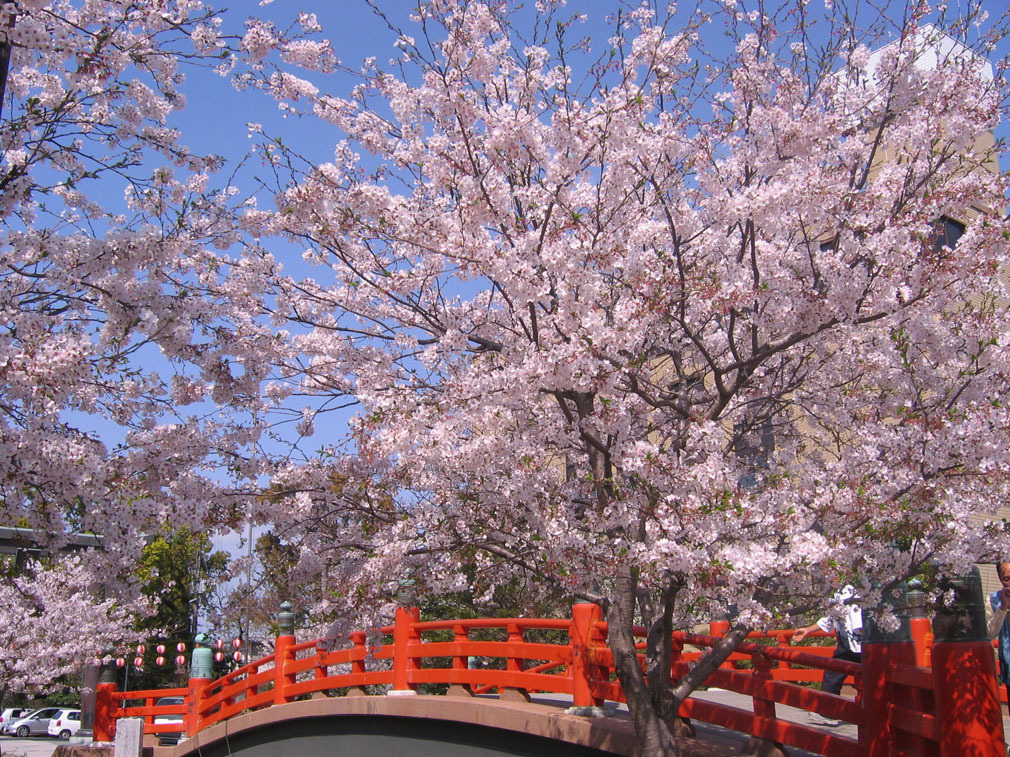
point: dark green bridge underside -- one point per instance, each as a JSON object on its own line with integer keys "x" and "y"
{"x": 414, "y": 726}
{"x": 388, "y": 737}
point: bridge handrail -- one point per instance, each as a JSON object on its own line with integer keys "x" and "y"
{"x": 765, "y": 692}
{"x": 126, "y": 696}
{"x": 523, "y": 624}
{"x": 777, "y": 653}
{"x": 304, "y": 668}
{"x": 577, "y": 663}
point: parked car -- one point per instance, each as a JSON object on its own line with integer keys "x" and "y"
{"x": 65, "y": 724}
{"x": 9, "y": 714}
{"x": 33, "y": 724}
{"x": 172, "y": 737}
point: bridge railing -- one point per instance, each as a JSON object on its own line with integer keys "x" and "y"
{"x": 758, "y": 682}
{"x": 517, "y": 657}
{"x": 111, "y": 705}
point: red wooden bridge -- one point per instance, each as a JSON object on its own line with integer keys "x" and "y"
{"x": 911, "y": 697}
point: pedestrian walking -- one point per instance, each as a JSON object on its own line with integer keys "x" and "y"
{"x": 848, "y": 628}
{"x": 998, "y": 625}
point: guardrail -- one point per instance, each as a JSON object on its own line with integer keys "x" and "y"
{"x": 896, "y": 707}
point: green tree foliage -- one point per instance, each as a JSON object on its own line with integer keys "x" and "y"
{"x": 176, "y": 572}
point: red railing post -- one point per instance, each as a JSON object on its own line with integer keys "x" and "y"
{"x": 404, "y": 635}
{"x": 763, "y": 706}
{"x": 228, "y": 701}
{"x": 282, "y": 653}
{"x": 582, "y": 638}
{"x": 460, "y": 635}
{"x": 514, "y": 663}
{"x": 782, "y": 641}
{"x": 200, "y": 674}
{"x": 105, "y": 712}
{"x": 359, "y": 652}
{"x": 922, "y": 640}
{"x": 884, "y": 654}
{"x": 878, "y": 658}
{"x": 676, "y": 652}
{"x": 282, "y": 656}
{"x": 964, "y": 673}
{"x": 721, "y": 628}
{"x": 322, "y": 669}
{"x": 194, "y": 705}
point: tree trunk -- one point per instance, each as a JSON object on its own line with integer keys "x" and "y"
{"x": 655, "y": 738}
{"x": 5, "y": 62}
{"x": 654, "y": 705}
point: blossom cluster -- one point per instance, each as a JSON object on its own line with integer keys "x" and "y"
{"x": 710, "y": 342}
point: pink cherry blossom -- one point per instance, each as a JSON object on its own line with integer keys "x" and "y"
{"x": 672, "y": 333}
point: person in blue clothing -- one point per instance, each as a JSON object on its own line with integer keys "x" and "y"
{"x": 999, "y": 626}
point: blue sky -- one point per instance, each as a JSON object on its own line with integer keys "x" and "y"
{"x": 215, "y": 119}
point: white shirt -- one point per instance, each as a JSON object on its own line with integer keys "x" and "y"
{"x": 848, "y": 625}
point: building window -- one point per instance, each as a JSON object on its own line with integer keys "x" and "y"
{"x": 946, "y": 232}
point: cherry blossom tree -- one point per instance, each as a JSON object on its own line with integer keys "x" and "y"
{"x": 48, "y": 611}
{"x": 660, "y": 317}
{"x": 112, "y": 349}
{"x": 671, "y": 329}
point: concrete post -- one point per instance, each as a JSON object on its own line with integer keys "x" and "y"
{"x": 129, "y": 737}
{"x": 89, "y": 679}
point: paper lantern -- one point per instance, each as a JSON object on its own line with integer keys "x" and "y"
{"x": 159, "y": 661}
{"x": 180, "y": 660}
